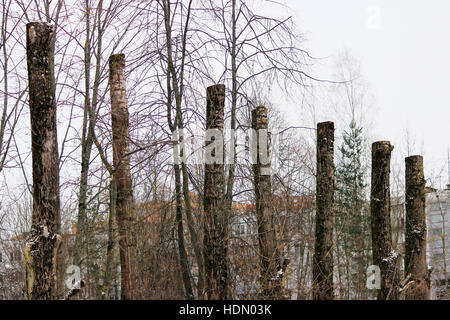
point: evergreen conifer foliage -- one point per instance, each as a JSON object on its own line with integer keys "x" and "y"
{"x": 352, "y": 219}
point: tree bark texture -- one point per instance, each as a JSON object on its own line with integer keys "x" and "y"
{"x": 41, "y": 250}
{"x": 380, "y": 205}
{"x": 86, "y": 147}
{"x": 216, "y": 221}
{"x": 121, "y": 160}
{"x": 323, "y": 247}
{"x": 184, "y": 261}
{"x": 109, "y": 267}
{"x": 269, "y": 253}
{"x": 416, "y": 230}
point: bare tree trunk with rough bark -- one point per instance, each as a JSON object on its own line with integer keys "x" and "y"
{"x": 416, "y": 230}
{"x": 323, "y": 248}
{"x": 41, "y": 250}
{"x": 87, "y": 141}
{"x": 109, "y": 267}
{"x": 269, "y": 253}
{"x": 177, "y": 88}
{"x": 216, "y": 220}
{"x": 184, "y": 261}
{"x": 380, "y": 205}
{"x": 121, "y": 160}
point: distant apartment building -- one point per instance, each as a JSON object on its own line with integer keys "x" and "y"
{"x": 437, "y": 211}
{"x": 438, "y": 241}
{"x": 294, "y": 218}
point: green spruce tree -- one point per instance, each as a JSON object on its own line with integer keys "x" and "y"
{"x": 352, "y": 219}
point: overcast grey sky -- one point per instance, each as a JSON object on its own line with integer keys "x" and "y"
{"x": 404, "y": 47}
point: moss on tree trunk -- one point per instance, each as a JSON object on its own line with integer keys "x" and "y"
{"x": 416, "y": 230}
{"x": 42, "y": 247}
{"x": 380, "y": 206}
{"x": 216, "y": 220}
{"x": 323, "y": 247}
{"x": 269, "y": 253}
{"x": 121, "y": 160}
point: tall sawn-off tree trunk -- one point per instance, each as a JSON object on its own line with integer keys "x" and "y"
{"x": 323, "y": 257}
{"x": 121, "y": 160}
{"x": 269, "y": 252}
{"x": 380, "y": 205}
{"x": 216, "y": 220}
{"x": 416, "y": 231}
{"x": 41, "y": 249}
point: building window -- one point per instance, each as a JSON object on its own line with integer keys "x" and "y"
{"x": 435, "y": 218}
{"x": 437, "y": 256}
{"x": 15, "y": 256}
{"x": 250, "y": 252}
{"x": 436, "y": 232}
{"x": 241, "y": 229}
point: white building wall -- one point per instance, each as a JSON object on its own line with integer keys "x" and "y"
{"x": 438, "y": 240}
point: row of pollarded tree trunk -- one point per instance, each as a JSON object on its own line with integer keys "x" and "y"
{"x": 216, "y": 226}
{"x": 416, "y": 283}
{"x": 42, "y": 251}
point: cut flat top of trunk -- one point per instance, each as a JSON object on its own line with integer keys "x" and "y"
{"x": 382, "y": 144}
